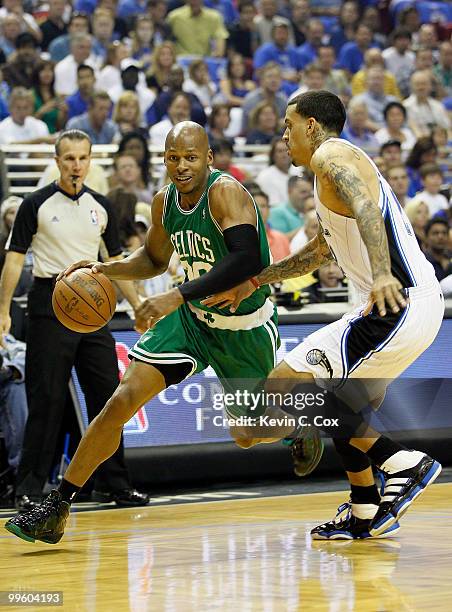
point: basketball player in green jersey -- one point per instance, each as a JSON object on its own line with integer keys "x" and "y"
{"x": 213, "y": 224}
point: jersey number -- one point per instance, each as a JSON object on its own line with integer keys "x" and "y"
{"x": 197, "y": 269}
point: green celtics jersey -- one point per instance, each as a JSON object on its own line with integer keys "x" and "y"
{"x": 198, "y": 240}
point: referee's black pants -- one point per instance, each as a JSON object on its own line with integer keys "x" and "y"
{"x": 52, "y": 351}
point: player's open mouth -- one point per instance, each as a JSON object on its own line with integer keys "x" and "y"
{"x": 183, "y": 179}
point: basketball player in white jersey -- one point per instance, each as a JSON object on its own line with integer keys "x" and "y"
{"x": 363, "y": 227}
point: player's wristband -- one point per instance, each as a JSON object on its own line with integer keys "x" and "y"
{"x": 254, "y": 282}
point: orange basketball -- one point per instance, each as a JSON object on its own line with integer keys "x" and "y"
{"x": 84, "y": 302}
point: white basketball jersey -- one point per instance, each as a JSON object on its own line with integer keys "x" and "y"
{"x": 408, "y": 263}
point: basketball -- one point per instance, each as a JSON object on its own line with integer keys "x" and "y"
{"x": 84, "y": 302}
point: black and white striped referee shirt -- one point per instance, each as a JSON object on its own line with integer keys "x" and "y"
{"x": 62, "y": 228}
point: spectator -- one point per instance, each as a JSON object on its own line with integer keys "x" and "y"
{"x": 198, "y": 30}
{"x": 175, "y": 81}
{"x": 326, "y": 8}
{"x": 373, "y": 57}
{"x": 124, "y": 204}
{"x": 49, "y": 107}
{"x": 437, "y": 252}
{"x": 278, "y": 242}
{"x": 243, "y": 37}
{"x": 21, "y": 126}
{"x": 103, "y": 24}
{"x": 127, "y": 9}
{"x": 120, "y": 28}
{"x": 162, "y": 60}
{"x": 397, "y": 177}
{"x": 157, "y": 9}
{"x": 219, "y": 120}
{"x": 222, "y": 159}
{"x": 289, "y": 217}
{"x": 280, "y": 51}
{"x": 54, "y": 26}
{"x": 127, "y": 114}
{"x": 391, "y": 154}
{"x": 328, "y": 277}
{"x": 335, "y": 80}
{"x": 95, "y": 121}
{"x": 270, "y": 83}
{"x": 423, "y": 152}
{"x": 313, "y": 78}
{"x": 344, "y": 31}
{"x": 199, "y": 83}
{"x": 8, "y": 211}
{"x": 356, "y": 130}
{"x": 395, "y": 129}
{"x": 432, "y": 179}
{"x": 425, "y": 61}
{"x": 274, "y": 180}
{"x": 424, "y": 112}
{"x": 428, "y": 36}
{"x": 10, "y": 27}
{"x": 66, "y": 69}
{"x": 18, "y": 71}
{"x": 263, "y": 21}
{"x": 27, "y": 21}
{"x": 351, "y": 56}
{"x": 443, "y": 70}
{"x": 60, "y": 47}
{"x": 314, "y": 37}
{"x": 178, "y": 110}
{"x": 408, "y": 19}
{"x": 400, "y": 60}
{"x": 264, "y": 124}
{"x": 142, "y": 43}
{"x": 13, "y": 399}
{"x": 136, "y": 144}
{"x": 418, "y": 215}
{"x": 77, "y": 104}
{"x": 235, "y": 87}
{"x": 307, "y": 232}
{"x": 301, "y": 16}
{"x": 371, "y": 18}
{"x": 127, "y": 177}
{"x": 132, "y": 79}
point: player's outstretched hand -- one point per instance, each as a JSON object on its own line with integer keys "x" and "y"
{"x": 232, "y": 297}
{"x": 386, "y": 290}
{"x": 152, "y": 309}
{"x": 95, "y": 266}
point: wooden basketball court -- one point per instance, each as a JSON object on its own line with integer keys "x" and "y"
{"x": 243, "y": 555}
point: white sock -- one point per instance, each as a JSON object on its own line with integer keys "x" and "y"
{"x": 364, "y": 511}
{"x": 402, "y": 460}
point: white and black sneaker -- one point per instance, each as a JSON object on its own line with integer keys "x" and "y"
{"x": 401, "y": 489}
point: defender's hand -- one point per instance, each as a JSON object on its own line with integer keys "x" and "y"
{"x": 232, "y": 297}
{"x": 386, "y": 290}
{"x": 95, "y": 267}
{"x": 156, "y": 307}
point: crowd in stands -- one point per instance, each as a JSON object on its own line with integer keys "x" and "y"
{"x": 125, "y": 71}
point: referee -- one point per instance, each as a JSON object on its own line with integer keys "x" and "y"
{"x": 63, "y": 222}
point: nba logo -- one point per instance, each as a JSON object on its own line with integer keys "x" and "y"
{"x": 94, "y": 217}
{"x": 139, "y": 422}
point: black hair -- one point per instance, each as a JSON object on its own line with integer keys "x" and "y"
{"x": 433, "y": 221}
{"x": 176, "y": 94}
{"x": 401, "y": 33}
{"x": 221, "y": 144}
{"x": 25, "y": 39}
{"x": 145, "y": 163}
{"x": 424, "y": 144}
{"x": 394, "y": 105}
{"x": 81, "y": 67}
{"x": 38, "y": 67}
{"x": 71, "y": 135}
{"x": 324, "y": 106}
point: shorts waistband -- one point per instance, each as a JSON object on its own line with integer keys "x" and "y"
{"x": 235, "y": 322}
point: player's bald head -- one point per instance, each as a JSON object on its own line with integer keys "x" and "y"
{"x": 187, "y": 134}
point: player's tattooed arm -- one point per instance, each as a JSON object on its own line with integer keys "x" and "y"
{"x": 351, "y": 189}
{"x": 313, "y": 255}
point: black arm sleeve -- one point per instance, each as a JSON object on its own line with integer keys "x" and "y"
{"x": 242, "y": 262}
